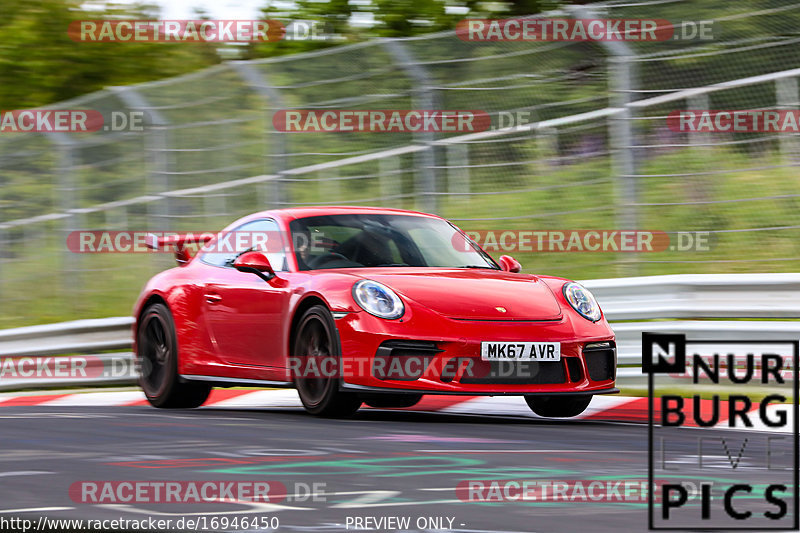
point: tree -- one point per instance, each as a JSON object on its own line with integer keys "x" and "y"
{"x": 41, "y": 64}
{"x": 392, "y": 18}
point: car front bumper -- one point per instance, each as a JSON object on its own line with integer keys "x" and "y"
{"x": 431, "y": 354}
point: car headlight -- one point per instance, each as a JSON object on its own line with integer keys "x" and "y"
{"x": 582, "y": 301}
{"x": 378, "y": 299}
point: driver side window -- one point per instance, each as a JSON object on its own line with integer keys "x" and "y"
{"x": 258, "y": 235}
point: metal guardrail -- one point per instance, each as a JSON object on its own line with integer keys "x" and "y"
{"x": 92, "y": 371}
{"x": 107, "y": 339}
{"x": 79, "y": 336}
{"x": 699, "y": 296}
{"x": 740, "y": 296}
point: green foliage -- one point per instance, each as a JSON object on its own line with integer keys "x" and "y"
{"x": 391, "y": 18}
{"x": 41, "y": 64}
{"x": 98, "y": 285}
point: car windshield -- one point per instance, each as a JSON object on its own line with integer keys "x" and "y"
{"x": 372, "y": 240}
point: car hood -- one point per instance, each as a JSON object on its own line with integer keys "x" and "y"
{"x": 476, "y": 294}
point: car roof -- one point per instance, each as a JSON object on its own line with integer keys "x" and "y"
{"x": 310, "y": 211}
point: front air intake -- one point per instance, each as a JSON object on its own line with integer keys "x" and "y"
{"x": 601, "y": 360}
{"x": 403, "y": 360}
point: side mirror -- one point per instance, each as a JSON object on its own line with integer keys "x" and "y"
{"x": 509, "y": 264}
{"x": 254, "y": 263}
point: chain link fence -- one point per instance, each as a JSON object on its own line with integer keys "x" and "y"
{"x": 596, "y": 152}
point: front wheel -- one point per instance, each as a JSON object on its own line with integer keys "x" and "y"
{"x": 315, "y": 338}
{"x": 559, "y": 406}
{"x": 157, "y": 353}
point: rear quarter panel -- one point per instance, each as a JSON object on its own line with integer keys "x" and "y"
{"x": 183, "y": 295}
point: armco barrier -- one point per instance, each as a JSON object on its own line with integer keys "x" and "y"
{"x": 632, "y": 305}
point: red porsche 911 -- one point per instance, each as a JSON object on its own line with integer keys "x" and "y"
{"x": 354, "y": 305}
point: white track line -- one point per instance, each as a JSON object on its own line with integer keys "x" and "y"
{"x": 97, "y": 399}
{"x": 263, "y": 398}
{"x": 601, "y": 403}
{"x": 288, "y": 398}
{"x": 496, "y": 405}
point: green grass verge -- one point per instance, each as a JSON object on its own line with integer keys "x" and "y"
{"x": 41, "y": 283}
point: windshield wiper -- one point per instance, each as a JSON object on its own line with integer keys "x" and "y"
{"x": 478, "y": 266}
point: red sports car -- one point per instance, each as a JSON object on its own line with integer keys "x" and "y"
{"x": 355, "y": 305}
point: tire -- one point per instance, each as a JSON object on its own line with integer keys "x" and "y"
{"x": 559, "y": 406}
{"x": 389, "y": 401}
{"x": 316, "y": 336}
{"x": 157, "y": 355}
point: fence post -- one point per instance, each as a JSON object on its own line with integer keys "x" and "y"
{"x": 700, "y": 102}
{"x": 156, "y": 145}
{"x": 330, "y": 186}
{"x": 276, "y": 156}
{"x": 3, "y": 254}
{"x": 116, "y": 219}
{"x": 786, "y": 98}
{"x": 623, "y": 82}
{"x": 3, "y": 218}
{"x": 458, "y": 178}
{"x": 389, "y": 181}
{"x": 546, "y": 148}
{"x": 623, "y": 154}
{"x": 68, "y": 205}
{"x": 423, "y": 97}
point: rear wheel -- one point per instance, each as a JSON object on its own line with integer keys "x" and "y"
{"x": 388, "y": 401}
{"x": 157, "y": 352}
{"x": 559, "y": 406}
{"x": 315, "y": 337}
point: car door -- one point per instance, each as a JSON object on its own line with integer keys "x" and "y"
{"x": 243, "y": 312}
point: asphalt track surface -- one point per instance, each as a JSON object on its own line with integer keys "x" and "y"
{"x": 380, "y": 463}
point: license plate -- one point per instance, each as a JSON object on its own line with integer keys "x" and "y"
{"x": 521, "y": 351}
